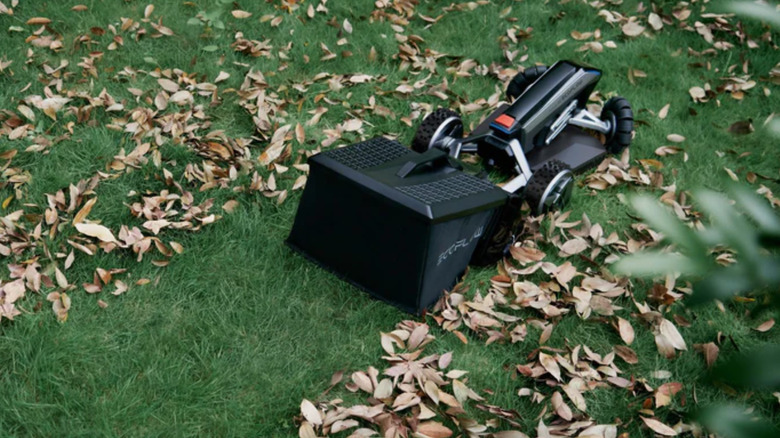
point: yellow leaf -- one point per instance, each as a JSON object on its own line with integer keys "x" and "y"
{"x": 38, "y": 20}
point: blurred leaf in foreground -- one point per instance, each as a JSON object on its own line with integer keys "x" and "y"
{"x": 753, "y": 370}
{"x": 746, "y": 226}
{"x": 733, "y": 421}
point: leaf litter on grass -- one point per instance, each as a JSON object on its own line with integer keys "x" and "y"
{"x": 413, "y": 395}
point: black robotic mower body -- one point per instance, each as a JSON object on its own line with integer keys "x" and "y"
{"x": 539, "y": 138}
{"x": 405, "y": 224}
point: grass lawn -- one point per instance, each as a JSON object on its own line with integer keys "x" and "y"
{"x": 229, "y": 336}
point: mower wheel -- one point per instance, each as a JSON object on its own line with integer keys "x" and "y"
{"x": 522, "y": 80}
{"x": 439, "y": 124}
{"x": 617, "y": 111}
{"x": 550, "y": 187}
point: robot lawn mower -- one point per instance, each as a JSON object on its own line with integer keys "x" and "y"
{"x": 404, "y": 224}
{"x": 538, "y": 138}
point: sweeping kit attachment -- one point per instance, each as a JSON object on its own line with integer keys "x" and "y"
{"x": 404, "y": 224}
{"x": 398, "y": 224}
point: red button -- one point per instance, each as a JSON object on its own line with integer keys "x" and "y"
{"x": 505, "y": 120}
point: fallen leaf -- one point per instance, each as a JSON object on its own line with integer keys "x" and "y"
{"x": 549, "y": 364}
{"x": 433, "y": 429}
{"x": 311, "y": 413}
{"x": 710, "y": 351}
{"x": 655, "y": 21}
{"x": 35, "y": 21}
{"x": 658, "y": 427}
{"x": 626, "y": 353}
{"x": 95, "y": 230}
{"x": 168, "y": 85}
{"x": 561, "y": 408}
{"x": 632, "y": 29}
{"x": 626, "y": 331}
{"x": 240, "y": 14}
{"x": 664, "y": 111}
{"x": 221, "y": 77}
{"x": 230, "y": 206}
{"x": 697, "y": 93}
{"x": 765, "y": 326}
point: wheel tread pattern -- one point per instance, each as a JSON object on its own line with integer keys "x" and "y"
{"x": 620, "y": 137}
{"x": 539, "y": 181}
{"x": 522, "y": 80}
{"x": 429, "y": 126}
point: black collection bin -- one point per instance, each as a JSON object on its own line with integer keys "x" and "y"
{"x": 396, "y": 223}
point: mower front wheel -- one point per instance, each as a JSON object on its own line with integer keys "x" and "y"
{"x": 435, "y": 127}
{"x": 617, "y": 112}
{"x": 550, "y": 187}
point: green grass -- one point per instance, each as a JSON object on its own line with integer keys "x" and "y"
{"x": 237, "y": 330}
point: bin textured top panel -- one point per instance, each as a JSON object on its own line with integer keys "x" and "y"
{"x": 369, "y": 153}
{"x": 459, "y": 186}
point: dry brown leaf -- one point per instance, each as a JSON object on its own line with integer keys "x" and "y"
{"x": 433, "y": 429}
{"x": 632, "y": 29}
{"x": 384, "y": 389}
{"x": 510, "y": 434}
{"x": 306, "y": 431}
{"x": 659, "y": 427}
{"x": 675, "y": 138}
{"x": 561, "y": 408}
{"x": 168, "y": 85}
{"x": 240, "y": 14}
{"x": 362, "y": 381}
{"x": 710, "y": 352}
{"x": 550, "y": 364}
{"x": 573, "y": 392}
{"x": 670, "y": 332}
{"x": 311, "y": 413}
{"x": 626, "y": 331}
{"x": 82, "y": 214}
{"x": 664, "y": 111}
{"x": 182, "y": 97}
{"x": 300, "y": 134}
{"x": 222, "y": 76}
{"x": 765, "y": 326}
{"x": 95, "y": 230}
{"x": 36, "y": 21}
{"x": 626, "y": 353}
{"x": 697, "y": 93}
{"x": 230, "y": 206}
{"x": 655, "y": 21}
{"x": 574, "y": 246}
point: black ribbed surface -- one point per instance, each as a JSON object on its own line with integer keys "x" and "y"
{"x": 459, "y": 186}
{"x": 369, "y": 153}
{"x": 422, "y": 139}
{"x": 539, "y": 181}
{"x": 618, "y": 111}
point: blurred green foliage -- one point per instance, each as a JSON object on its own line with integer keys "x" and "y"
{"x": 743, "y": 224}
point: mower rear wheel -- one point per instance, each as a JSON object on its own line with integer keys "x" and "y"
{"x": 550, "y": 187}
{"x": 617, "y": 111}
{"x": 441, "y": 123}
{"x": 523, "y": 80}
